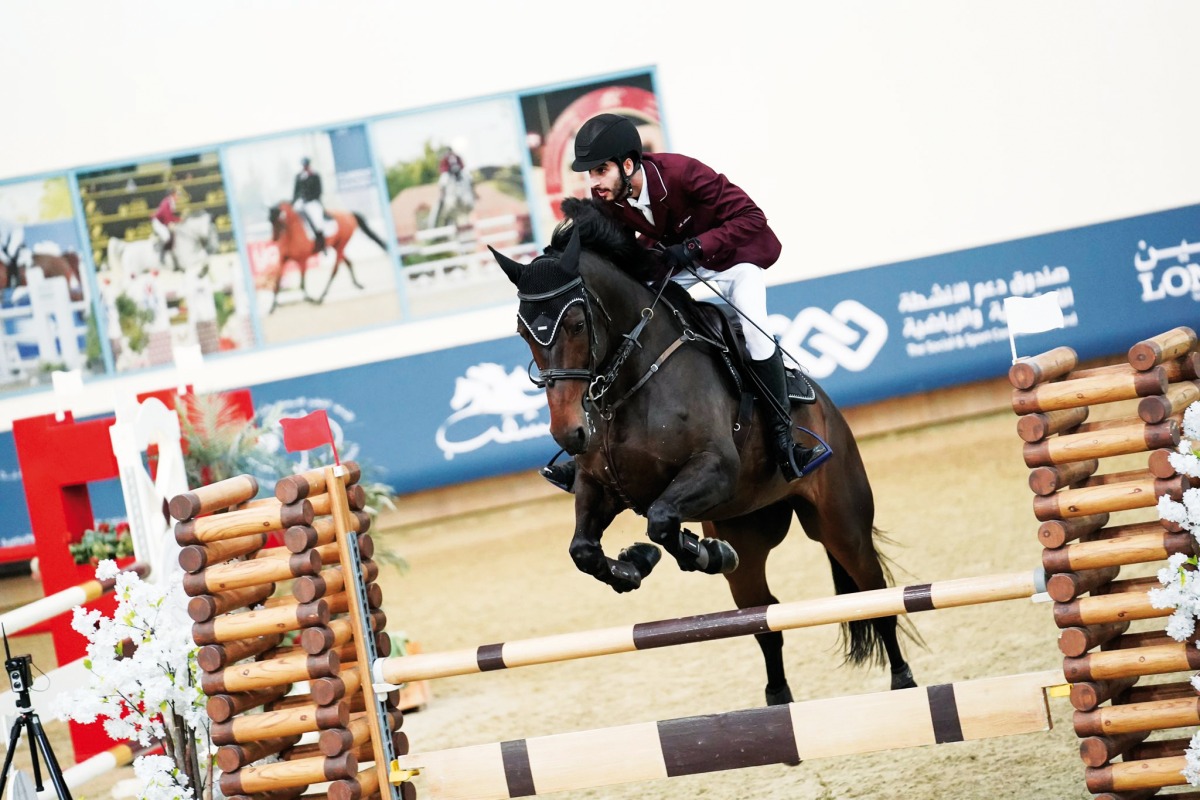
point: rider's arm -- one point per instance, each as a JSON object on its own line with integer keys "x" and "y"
{"x": 739, "y": 219}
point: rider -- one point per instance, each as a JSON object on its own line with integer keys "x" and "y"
{"x": 452, "y": 173}
{"x": 306, "y": 199}
{"x": 708, "y": 229}
{"x": 163, "y": 222}
{"x": 15, "y": 255}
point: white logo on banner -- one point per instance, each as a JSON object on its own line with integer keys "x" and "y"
{"x": 487, "y": 390}
{"x": 824, "y": 341}
{"x": 1172, "y": 280}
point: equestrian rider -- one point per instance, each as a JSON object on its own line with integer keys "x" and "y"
{"x": 163, "y": 222}
{"x": 306, "y": 199}
{"x": 15, "y": 255}
{"x": 708, "y": 229}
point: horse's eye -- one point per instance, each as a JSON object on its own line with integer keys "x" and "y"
{"x": 577, "y": 328}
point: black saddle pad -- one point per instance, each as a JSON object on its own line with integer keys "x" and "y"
{"x": 719, "y": 322}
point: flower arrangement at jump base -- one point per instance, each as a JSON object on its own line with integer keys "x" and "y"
{"x": 108, "y": 539}
{"x": 151, "y": 694}
{"x": 1180, "y": 579}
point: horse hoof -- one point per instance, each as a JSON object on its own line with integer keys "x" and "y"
{"x": 722, "y": 558}
{"x": 903, "y": 679}
{"x": 643, "y": 556}
{"x": 779, "y": 697}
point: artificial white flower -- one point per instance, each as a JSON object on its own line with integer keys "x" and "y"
{"x": 152, "y": 695}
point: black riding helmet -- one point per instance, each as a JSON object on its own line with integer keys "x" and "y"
{"x": 606, "y": 137}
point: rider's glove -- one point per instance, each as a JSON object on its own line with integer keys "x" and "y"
{"x": 682, "y": 255}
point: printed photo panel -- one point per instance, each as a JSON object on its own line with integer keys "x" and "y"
{"x": 46, "y": 320}
{"x": 553, "y": 118}
{"x": 311, "y": 219}
{"x": 455, "y": 186}
{"x": 167, "y": 267}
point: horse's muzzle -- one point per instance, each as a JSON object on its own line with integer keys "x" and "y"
{"x": 574, "y": 441}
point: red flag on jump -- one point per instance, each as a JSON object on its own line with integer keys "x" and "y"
{"x": 308, "y": 432}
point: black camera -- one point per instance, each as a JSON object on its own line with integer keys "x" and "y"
{"x": 20, "y": 673}
{"x": 19, "y": 668}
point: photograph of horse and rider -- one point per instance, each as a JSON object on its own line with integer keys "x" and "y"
{"x": 455, "y": 187}
{"x": 45, "y": 311}
{"x": 311, "y": 220}
{"x": 552, "y": 119}
{"x": 166, "y": 263}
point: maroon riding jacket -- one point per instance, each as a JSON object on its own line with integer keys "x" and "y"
{"x": 688, "y": 198}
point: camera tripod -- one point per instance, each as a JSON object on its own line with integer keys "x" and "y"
{"x": 20, "y": 676}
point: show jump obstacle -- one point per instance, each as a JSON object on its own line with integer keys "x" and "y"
{"x": 1080, "y": 487}
{"x": 346, "y": 716}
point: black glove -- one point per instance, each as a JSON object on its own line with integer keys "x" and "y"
{"x": 682, "y": 255}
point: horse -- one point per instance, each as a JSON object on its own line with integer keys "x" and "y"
{"x": 652, "y": 419}
{"x": 196, "y": 241}
{"x": 52, "y": 264}
{"x": 456, "y": 200}
{"x": 290, "y": 234}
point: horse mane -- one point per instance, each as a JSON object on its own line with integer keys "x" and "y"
{"x": 603, "y": 235}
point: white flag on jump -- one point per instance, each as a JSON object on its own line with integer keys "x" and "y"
{"x": 1033, "y": 314}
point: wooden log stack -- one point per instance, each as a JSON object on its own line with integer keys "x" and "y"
{"x": 280, "y": 663}
{"x": 1130, "y": 680}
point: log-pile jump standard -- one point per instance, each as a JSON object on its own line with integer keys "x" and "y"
{"x": 256, "y": 643}
{"x": 1077, "y": 501}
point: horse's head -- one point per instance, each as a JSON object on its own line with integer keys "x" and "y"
{"x": 563, "y": 316}
{"x": 200, "y": 226}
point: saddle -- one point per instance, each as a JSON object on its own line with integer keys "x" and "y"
{"x": 721, "y": 323}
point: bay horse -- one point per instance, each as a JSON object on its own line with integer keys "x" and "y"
{"x": 638, "y": 398}
{"x": 290, "y": 234}
{"x": 52, "y": 265}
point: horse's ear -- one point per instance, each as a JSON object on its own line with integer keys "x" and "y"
{"x": 511, "y": 268}
{"x": 569, "y": 262}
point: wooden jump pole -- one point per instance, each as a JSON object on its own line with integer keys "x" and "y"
{"x": 708, "y": 627}
{"x": 52, "y": 605}
{"x": 807, "y": 730}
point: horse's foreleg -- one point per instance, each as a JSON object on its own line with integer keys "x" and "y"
{"x": 705, "y": 481}
{"x": 594, "y": 511}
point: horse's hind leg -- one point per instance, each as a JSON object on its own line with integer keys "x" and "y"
{"x": 754, "y": 536}
{"x": 845, "y": 528}
{"x": 350, "y": 269}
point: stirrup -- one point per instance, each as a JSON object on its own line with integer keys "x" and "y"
{"x": 794, "y": 469}
{"x": 560, "y": 475}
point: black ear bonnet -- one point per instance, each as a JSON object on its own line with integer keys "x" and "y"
{"x": 546, "y": 291}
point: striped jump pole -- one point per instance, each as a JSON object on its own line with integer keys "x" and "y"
{"x": 708, "y": 627}
{"x": 838, "y": 726}
{"x": 51, "y": 606}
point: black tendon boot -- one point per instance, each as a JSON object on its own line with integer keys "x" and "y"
{"x": 792, "y": 458}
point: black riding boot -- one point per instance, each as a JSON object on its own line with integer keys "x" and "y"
{"x": 561, "y": 475}
{"x": 319, "y": 243}
{"x": 792, "y": 458}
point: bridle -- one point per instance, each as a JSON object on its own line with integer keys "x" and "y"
{"x": 601, "y": 382}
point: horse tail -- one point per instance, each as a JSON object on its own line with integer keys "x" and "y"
{"x": 860, "y": 639}
{"x": 362, "y": 223}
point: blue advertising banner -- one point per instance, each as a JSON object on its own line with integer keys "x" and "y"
{"x": 917, "y": 326}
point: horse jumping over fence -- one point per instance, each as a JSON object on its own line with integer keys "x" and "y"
{"x": 662, "y": 437}
{"x": 291, "y": 235}
{"x": 53, "y": 265}
{"x": 196, "y": 241}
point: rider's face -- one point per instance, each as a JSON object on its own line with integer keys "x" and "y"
{"x": 605, "y": 180}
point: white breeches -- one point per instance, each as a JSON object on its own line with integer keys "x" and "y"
{"x": 160, "y": 230}
{"x": 314, "y": 212}
{"x": 744, "y": 286}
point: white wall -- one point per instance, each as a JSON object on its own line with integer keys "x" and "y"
{"x": 870, "y": 132}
